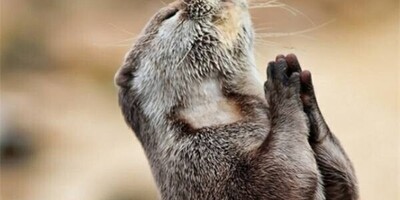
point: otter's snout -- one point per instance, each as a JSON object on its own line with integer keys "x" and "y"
{"x": 202, "y": 8}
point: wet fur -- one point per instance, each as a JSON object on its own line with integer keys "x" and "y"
{"x": 261, "y": 151}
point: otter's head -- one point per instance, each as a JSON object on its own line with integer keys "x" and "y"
{"x": 185, "y": 43}
{"x": 191, "y": 39}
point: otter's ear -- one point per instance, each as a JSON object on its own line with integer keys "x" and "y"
{"x": 123, "y": 78}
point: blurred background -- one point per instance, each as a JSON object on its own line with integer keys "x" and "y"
{"x": 63, "y": 137}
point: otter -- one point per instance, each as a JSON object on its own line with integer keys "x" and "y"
{"x": 189, "y": 90}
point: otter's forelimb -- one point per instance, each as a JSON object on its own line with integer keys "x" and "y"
{"x": 337, "y": 171}
{"x": 287, "y": 143}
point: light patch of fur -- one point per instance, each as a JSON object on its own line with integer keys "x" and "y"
{"x": 229, "y": 25}
{"x": 210, "y": 108}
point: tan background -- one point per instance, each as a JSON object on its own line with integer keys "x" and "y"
{"x": 62, "y": 134}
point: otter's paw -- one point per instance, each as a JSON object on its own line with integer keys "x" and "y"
{"x": 283, "y": 84}
{"x": 318, "y": 127}
{"x": 307, "y": 91}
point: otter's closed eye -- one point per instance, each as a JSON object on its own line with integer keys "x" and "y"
{"x": 170, "y": 13}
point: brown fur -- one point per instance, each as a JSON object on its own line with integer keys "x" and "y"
{"x": 261, "y": 151}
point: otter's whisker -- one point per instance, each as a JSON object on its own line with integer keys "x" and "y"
{"x": 266, "y": 42}
{"x": 283, "y": 34}
{"x": 163, "y": 2}
{"x": 121, "y": 29}
{"x": 184, "y": 57}
{"x": 286, "y": 7}
{"x": 111, "y": 45}
{"x": 297, "y": 11}
{"x": 263, "y": 29}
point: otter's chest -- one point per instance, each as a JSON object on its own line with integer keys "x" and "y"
{"x": 209, "y": 107}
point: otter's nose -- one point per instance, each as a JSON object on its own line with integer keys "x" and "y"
{"x": 203, "y": 8}
{"x": 200, "y": 8}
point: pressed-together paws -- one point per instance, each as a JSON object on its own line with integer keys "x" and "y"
{"x": 283, "y": 85}
{"x": 317, "y": 125}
